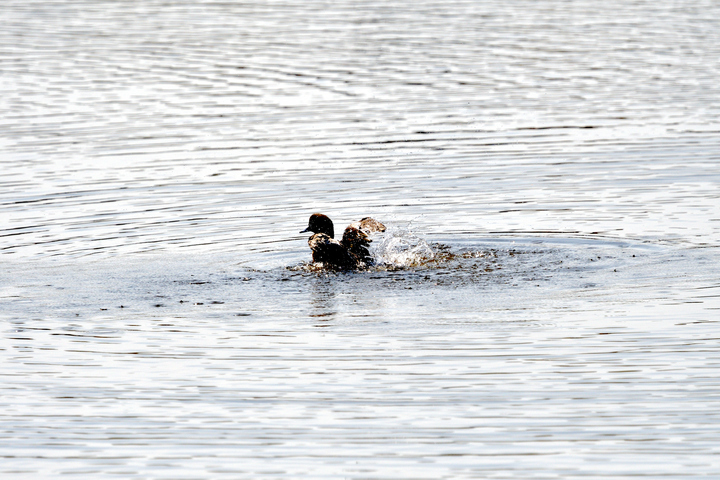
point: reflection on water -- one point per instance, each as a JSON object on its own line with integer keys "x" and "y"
{"x": 546, "y": 295}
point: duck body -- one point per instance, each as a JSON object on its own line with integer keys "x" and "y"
{"x": 329, "y": 251}
{"x": 351, "y": 252}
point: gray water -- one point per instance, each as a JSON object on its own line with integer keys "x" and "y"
{"x": 546, "y": 299}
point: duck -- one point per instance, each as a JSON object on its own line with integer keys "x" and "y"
{"x": 350, "y": 253}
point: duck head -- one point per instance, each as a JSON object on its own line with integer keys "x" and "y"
{"x": 320, "y": 223}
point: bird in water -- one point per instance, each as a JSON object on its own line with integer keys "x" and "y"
{"x": 351, "y": 252}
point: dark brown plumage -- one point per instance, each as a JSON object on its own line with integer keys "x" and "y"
{"x": 351, "y": 252}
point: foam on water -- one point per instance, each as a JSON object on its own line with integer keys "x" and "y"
{"x": 398, "y": 246}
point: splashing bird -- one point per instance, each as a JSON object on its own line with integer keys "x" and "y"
{"x": 351, "y": 252}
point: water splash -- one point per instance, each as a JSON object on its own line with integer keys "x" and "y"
{"x": 399, "y": 247}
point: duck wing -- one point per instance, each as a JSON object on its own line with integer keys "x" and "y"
{"x": 331, "y": 252}
{"x": 356, "y": 238}
{"x": 356, "y": 242}
{"x": 368, "y": 225}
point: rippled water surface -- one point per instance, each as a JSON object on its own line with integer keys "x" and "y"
{"x": 546, "y": 299}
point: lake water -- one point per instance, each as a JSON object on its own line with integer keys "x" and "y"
{"x": 547, "y": 298}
